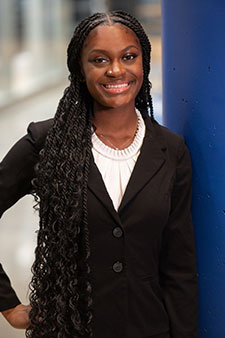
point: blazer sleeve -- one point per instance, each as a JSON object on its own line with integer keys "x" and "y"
{"x": 178, "y": 273}
{"x": 16, "y": 174}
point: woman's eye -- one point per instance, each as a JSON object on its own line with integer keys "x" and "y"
{"x": 130, "y": 57}
{"x": 100, "y": 60}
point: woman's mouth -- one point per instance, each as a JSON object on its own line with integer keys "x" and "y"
{"x": 116, "y": 87}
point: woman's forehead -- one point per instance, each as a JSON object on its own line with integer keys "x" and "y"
{"x": 106, "y": 34}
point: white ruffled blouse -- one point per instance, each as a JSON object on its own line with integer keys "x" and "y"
{"x": 116, "y": 166}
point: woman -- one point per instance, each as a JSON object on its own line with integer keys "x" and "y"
{"x": 115, "y": 255}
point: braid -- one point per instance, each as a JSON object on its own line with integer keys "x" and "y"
{"x": 61, "y": 290}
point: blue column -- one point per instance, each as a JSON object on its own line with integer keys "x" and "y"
{"x": 194, "y": 105}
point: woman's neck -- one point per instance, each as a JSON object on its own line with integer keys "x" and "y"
{"x": 115, "y": 122}
{"x": 116, "y": 127}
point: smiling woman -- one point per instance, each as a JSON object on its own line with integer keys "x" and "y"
{"x": 115, "y": 254}
{"x": 111, "y": 63}
{"x": 112, "y": 67}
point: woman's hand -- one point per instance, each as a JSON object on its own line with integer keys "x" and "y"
{"x": 18, "y": 316}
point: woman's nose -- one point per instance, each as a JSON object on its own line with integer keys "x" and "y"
{"x": 116, "y": 69}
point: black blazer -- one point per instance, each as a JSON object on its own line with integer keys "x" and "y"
{"x": 142, "y": 257}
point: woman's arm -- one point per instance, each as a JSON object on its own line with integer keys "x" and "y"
{"x": 16, "y": 174}
{"x": 17, "y": 170}
{"x": 178, "y": 274}
{"x": 8, "y": 297}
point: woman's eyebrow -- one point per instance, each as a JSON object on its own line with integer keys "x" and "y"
{"x": 105, "y": 51}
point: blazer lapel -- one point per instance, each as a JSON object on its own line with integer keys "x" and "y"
{"x": 149, "y": 162}
{"x": 97, "y": 186}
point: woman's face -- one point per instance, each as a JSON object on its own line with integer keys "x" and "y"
{"x": 111, "y": 62}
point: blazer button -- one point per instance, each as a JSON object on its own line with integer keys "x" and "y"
{"x": 117, "y": 267}
{"x": 117, "y": 232}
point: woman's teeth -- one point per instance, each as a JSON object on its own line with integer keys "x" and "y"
{"x": 110, "y": 86}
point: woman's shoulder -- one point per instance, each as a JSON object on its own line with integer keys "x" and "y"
{"x": 37, "y": 132}
{"x": 168, "y": 134}
{"x": 173, "y": 142}
{"x": 161, "y": 133}
{"x": 166, "y": 139}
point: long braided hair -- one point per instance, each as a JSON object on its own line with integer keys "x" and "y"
{"x": 61, "y": 292}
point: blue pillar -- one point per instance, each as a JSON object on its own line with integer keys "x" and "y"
{"x": 194, "y": 105}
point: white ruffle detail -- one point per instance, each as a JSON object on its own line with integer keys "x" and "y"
{"x": 116, "y": 166}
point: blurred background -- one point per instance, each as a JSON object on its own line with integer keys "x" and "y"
{"x": 34, "y": 35}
